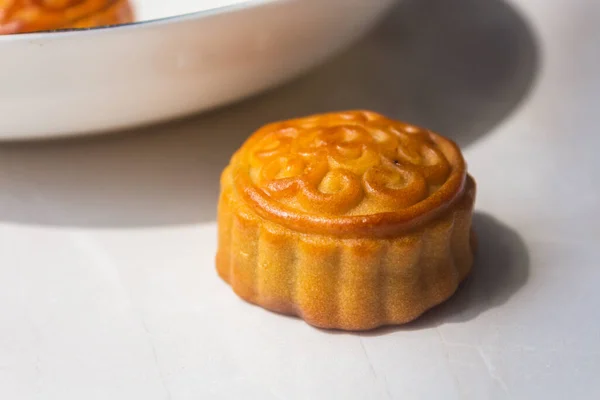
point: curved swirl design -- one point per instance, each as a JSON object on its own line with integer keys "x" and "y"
{"x": 19, "y": 16}
{"x": 359, "y": 169}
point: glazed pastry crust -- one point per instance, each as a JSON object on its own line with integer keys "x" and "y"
{"x": 350, "y": 174}
{"x": 348, "y": 220}
{"x": 22, "y": 16}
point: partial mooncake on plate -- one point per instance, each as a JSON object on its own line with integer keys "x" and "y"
{"x": 23, "y": 16}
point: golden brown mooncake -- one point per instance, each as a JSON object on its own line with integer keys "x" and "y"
{"x": 21, "y": 16}
{"x": 348, "y": 220}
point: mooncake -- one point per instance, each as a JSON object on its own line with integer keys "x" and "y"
{"x": 21, "y": 16}
{"x": 349, "y": 220}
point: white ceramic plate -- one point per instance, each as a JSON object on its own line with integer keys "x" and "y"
{"x": 176, "y": 61}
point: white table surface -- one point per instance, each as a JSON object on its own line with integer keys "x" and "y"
{"x": 107, "y": 283}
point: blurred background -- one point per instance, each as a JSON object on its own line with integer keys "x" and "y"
{"x": 459, "y": 68}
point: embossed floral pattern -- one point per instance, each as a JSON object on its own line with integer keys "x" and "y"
{"x": 337, "y": 163}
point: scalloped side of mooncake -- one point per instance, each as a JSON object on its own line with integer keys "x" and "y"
{"x": 343, "y": 283}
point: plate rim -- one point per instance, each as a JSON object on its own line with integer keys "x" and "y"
{"x": 63, "y": 33}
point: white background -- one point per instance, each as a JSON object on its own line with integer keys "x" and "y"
{"x": 107, "y": 282}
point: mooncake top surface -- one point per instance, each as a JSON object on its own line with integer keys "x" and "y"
{"x": 355, "y": 170}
